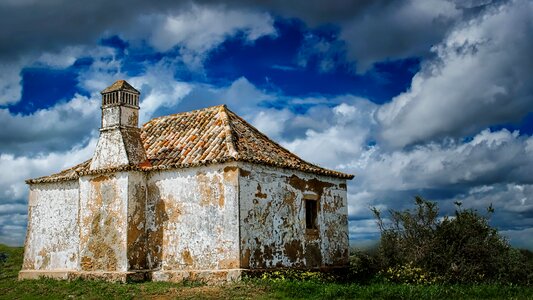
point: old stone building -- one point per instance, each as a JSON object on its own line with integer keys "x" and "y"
{"x": 199, "y": 195}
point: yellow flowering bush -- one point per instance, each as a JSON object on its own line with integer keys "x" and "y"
{"x": 294, "y": 274}
{"x": 408, "y": 274}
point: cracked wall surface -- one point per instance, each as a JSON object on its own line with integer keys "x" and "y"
{"x": 52, "y": 239}
{"x": 272, "y": 216}
{"x": 192, "y": 219}
{"x": 103, "y": 226}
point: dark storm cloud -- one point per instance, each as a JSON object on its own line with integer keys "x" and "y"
{"x": 34, "y": 26}
{"x": 374, "y": 30}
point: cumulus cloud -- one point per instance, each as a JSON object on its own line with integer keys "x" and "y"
{"x": 14, "y": 192}
{"x": 474, "y": 78}
{"x": 240, "y": 95}
{"x": 405, "y": 28}
{"x": 201, "y": 29}
{"x": 49, "y": 130}
{"x": 346, "y": 136}
{"x": 491, "y": 157}
{"x": 48, "y": 37}
{"x": 479, "y": 77}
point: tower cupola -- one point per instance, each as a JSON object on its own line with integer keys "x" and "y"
{"x": 120, "y": 140}
{"x": 120, "y": 105}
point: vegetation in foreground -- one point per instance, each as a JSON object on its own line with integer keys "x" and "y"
{"x": 420, "y": 256}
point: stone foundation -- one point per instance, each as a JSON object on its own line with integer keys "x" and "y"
{"x": 206, "y": 276}
{"x": 71, "y": 275}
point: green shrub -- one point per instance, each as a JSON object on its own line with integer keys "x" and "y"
{"x": 363, "y": 267}
{"x": 462, "y": 248}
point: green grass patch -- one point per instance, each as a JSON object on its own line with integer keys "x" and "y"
{"x": 310, "y": 287}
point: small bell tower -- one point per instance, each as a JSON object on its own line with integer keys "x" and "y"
{"x": 120, "y": 138}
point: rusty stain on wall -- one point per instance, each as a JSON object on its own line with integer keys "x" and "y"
{"x": 258, "y": 194}
{"x": 281, "y": 208}
{"x": 102, "y": 219}
{"x": 208, "y": 197}
{"x": 137, "y": 247}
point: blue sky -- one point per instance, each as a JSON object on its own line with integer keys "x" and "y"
{"x": 430, "y": 98}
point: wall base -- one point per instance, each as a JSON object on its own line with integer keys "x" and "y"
{"x": 135, "y": 276}
{"x": 206, "y": 276}
{"x": 35, "y": 274}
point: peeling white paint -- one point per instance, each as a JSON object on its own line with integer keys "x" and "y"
{"x": 192, "y": 219}
{"x": 52, "y": 239}
{"x": 272, "y": 216}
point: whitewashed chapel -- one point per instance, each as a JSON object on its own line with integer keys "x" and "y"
{"x": 199, "y": 195}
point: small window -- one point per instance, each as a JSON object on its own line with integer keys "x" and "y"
{"x": 310, "y": 214}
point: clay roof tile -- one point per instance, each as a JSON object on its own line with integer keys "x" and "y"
{"x": 205, "y": 136}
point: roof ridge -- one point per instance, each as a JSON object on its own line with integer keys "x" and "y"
{"x": 183, "y": 113}
{"x": 272, "y": 141}
{"x": 228, "y": 130}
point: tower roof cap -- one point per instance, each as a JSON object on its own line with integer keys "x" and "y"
{"x": 120, "y": 85}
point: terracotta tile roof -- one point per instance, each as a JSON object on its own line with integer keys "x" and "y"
{"x": 68, "y": 174}
{"x": 201, "y": 137}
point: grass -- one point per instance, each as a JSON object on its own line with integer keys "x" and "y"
{"x": 11, "y": 288}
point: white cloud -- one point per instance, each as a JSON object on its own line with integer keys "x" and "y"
{"x": 480, "y": 77}
{"x": 492, "y": 167}
{"x": 202, "y": 28}
{"x": 11, "y": 78}
{"x": 484, "y": 160}
{"x": 12, "y": 183}
{"x": 52, "y": 129}
{"x": 272, "y": 122}
{"x": 159, "y": 89}
{"x": 346, "y": 137}
{"x": 241, "y": 96}
{"x": 105, "y": 69}
{"x": 62, "y": 59}
{"x": 14, "y": 192}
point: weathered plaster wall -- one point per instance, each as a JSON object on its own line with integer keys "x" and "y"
{"x": 272, "y": 219}
{"x": 192, "y": 219}
{"x": 110, "y": 150}
{"x": 136, "y": 237}
{"x": 120, "y": 140}
{"x": 52, "y": 236}
{"x": 120, "y": 115}
{"x": 103, "y": 222}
